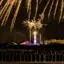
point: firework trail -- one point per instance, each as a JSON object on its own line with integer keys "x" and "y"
{"x": 42, "y": 14}
{"x": 29, "y": 10}
{"x": 10, "y": 8}
{"x": 36, "y": 9}
{"x": 7, "y": 13}
{"x": 3, "y": 10}
{"x": 7, "y": 3}
{"x": 50, "y": 8}
{"x": 61, "y": 11}
{"x": 56, "y": 6}
{"x": 1, "y": 2}
{"x": 28, "y": 5}
{"x": 15, "y": 3}
{"x": 15, "y": 15}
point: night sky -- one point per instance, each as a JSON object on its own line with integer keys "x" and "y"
{"x": 53, "y": 30}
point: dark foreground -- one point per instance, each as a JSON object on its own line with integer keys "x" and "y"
{"x": 43, "y": 54}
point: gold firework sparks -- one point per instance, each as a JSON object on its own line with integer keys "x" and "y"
{"x": 42, "y": 14}
{"x": 1, "y": 2}
{"x": 50, "y": 8}
{"x": 4, "y": 10}
{"x": 6, "y": 4}
{"x": 36, "y": 9}
{"x": 15, "y": 15}
{"x": 28, "y": 5}
{"x": 56, "y": 6}
{"x": 8, "y": 12}
{"x": 61, "y": 10}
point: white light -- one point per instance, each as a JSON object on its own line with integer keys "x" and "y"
{"x": 35, "y": 32}
{"x": 35, "y": 36}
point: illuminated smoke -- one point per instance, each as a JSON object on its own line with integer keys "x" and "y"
{"x": 8, "y": 12}
{"x": 15, "y": 15}
{"x": 36, "y": 9}
{"x": 56, "y": 6}
{"x": 42, "y": 14}
{"x": 61, "y": 10}
{"x": 50, "y": 8}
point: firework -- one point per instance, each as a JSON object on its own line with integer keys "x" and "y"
{"x": 36, "y": 9}
{"x": 15, "y": 15}
{"x": 8, "y": 12}
{"x": 56, "y": 6}
{"x": 28, "y": 5}
{"x": 1, "y": 2}
{"x": 3, "y": 11}
{"x": 7, "y": 3}
{"x": 42, "y": 14}
{"x": 30, "y": 25}
{"x": 50, "y": 8}
{"x": 61, "y": 10}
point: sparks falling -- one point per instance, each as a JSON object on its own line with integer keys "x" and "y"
{"x": 8, "y": 6}
{"x": 7, "y": 13}
{"x": 56, "y": 6}
{"x": 61, "y": 10}
{"x": 50, "y": 8}
{"x": 28, "y": 5}
{"x": 15, "y": 15}
{"x": 42, "y": 14}
{"x": 3, "y": 10}
{"x": 36, "y": 9}
{"x": 1, "y": 2}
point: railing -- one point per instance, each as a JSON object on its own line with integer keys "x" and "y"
{"x": 31, "y": 55}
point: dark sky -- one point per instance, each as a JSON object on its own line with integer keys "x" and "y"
{"x": 53, "y": 30}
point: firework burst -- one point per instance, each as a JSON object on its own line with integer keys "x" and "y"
{"x": 9, "y": 4}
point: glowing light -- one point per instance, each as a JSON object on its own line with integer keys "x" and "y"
{"x": 35, "y": 37}
{"x": 29, "y": 24}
